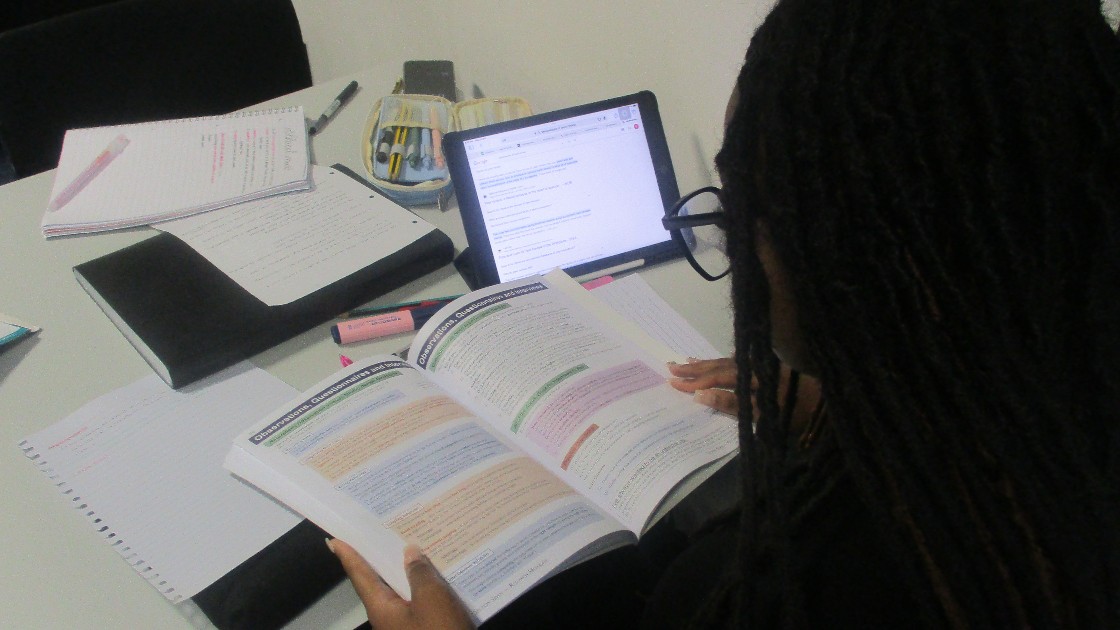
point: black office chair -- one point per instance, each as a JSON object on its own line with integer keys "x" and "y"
{"x": 141, "y": 60}
{"x": 23, "y": 12}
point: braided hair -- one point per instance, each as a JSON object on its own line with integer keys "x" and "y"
{"x": 940, "y": 180}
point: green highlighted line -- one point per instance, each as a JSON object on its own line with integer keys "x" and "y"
{"x": 460, "y": 328}
{"x": 542, "y": 392}
{"x": 326, "y": 406}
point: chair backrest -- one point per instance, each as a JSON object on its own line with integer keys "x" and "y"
{"x": 17, "y": 14}
{"x": 141, "y": 60}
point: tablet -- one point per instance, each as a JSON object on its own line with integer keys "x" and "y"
{"x": 581, "y": 189}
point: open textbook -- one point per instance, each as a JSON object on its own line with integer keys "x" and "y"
{"x": 531, "y": 429}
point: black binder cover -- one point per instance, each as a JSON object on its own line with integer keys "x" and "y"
{"x": 189, "y": 319}
{"x": 274, "y": 586}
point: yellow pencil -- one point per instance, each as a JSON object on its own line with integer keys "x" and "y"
{"x": 400, "y": 156}
{"x": 395, "y": 152}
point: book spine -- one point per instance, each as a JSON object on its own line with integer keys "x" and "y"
{"x": 105, "y": 530}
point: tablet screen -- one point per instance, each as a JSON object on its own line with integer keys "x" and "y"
{"x": 580, "y": 189}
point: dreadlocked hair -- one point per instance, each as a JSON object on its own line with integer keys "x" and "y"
{"x": 941, "y": 182}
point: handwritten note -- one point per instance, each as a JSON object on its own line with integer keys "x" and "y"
{"x": 284, "y": 247}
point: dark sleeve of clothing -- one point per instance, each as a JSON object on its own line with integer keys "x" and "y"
{"x": 849, "y": 577}
{"x": 837, "y": 558}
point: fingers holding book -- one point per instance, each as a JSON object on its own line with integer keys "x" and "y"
{"x": 433, "y": 605}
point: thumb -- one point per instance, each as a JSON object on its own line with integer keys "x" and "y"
{"x": 718, "y": 399}
{"x": 434, "y": 604}
{"x": 423, "y": 577}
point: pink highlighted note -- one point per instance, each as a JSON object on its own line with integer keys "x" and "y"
{"x": 555, "y": 424}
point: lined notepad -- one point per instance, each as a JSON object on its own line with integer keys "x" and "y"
{"x": 143, "y": 464}
{"x": 175, "y": 168}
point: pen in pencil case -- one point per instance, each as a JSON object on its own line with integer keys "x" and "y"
{"x": 384, "y": 144}
{"x": 412, "y": 149}
{"x": 396, "y": 174}
{"x": 382, "y": 325}
{"x": 396, "y": 152}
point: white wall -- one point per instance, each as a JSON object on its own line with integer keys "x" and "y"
{"x": 561, "y": 52}
{"x": 558, "y": 53}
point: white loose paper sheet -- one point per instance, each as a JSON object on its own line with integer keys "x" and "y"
{"x": 144, "y": 465}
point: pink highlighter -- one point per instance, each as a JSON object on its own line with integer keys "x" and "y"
{"x": 382, "y": 325}
{"x": 405, "y": 320}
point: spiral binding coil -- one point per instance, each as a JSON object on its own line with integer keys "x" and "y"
{"x": 142, "y": 568}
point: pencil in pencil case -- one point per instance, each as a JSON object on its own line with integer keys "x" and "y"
{"x": 402, "y": 142}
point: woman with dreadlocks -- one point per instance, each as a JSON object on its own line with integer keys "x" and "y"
{"x": 922, "y": 211}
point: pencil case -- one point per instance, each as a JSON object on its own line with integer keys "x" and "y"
{"x": 402, "y": 142}
{"x": 486, "y": 111}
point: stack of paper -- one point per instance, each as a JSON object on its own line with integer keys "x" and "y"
{"x": 129, "y": 175}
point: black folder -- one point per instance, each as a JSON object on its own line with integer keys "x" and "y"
{"x": 274, "y": 586}
{"x": 189, "y": 320}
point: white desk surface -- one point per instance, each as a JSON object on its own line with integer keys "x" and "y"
{"x": 54, "y": 571}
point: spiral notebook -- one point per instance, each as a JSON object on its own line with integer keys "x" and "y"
{"x": 130, "y": 175}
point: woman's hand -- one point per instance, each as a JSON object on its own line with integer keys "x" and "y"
{"x": 710, "y": 381}
{"x": 433, "y": 605}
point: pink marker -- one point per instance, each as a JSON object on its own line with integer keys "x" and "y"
{"x": 597, "y": 282}
{"x": 437, "y": 138}
{"x": 381, "y": 325}
{"x": 93, "y": 170}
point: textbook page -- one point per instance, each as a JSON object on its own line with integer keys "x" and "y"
{"x": 284, "y": 247}
{"x": 634, "y": 299}
{"x": 378, "y": 455}
{"x": 173, "y": 168}
{"x": 143, "y": 464}
{"x": 588, "y": 399}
